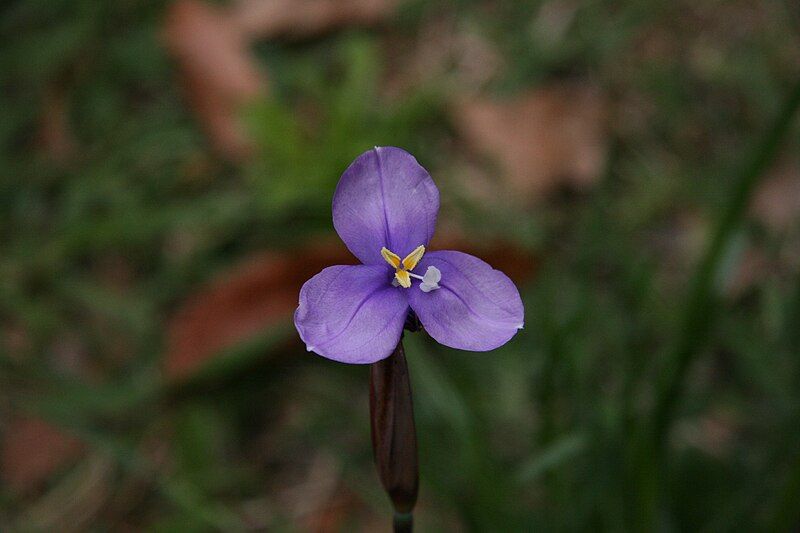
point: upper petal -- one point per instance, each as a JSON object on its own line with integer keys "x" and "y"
{"x": 475, "y": 307}
{"x": 385, "y": 199}
{"x": 351, "y": 314}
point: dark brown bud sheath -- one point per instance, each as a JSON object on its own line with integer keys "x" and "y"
{"x": 394, "y": 437}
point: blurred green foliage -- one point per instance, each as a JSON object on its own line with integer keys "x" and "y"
{"x": 343, "y": 113}
{"x": 640, "y": 396}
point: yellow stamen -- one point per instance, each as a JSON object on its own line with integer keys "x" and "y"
{"x": 403, "y": 278}
{"x": 402, "y": 267}
{"x": 391, "y": 258}
{"x": 413, "y": 258}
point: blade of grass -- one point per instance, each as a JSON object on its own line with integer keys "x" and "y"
{"x": 699, "y": 310}
{"x": 184, "y": 495}
{"x": 786, "y": 514}
{"x": 650, "y": 449}
{"x": 563, "y": 450}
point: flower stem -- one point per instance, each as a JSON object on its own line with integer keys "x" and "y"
{"x": 394, "y": 437}
{"x": 403, "y": 523}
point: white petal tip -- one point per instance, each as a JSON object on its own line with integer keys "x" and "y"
{"x": 521, "y": 326}
{"x": 309, "y": 348}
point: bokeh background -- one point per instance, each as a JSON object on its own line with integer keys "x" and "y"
{"x": 167, "y": 172}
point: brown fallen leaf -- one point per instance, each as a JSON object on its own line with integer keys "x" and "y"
{"x": 715, "y": 433}
{"x": 518, "y": 264}
{"x": 263, "y": 291}
{"x": 32, "y": 450}
{"x": 17, "y": 339}
{"x": 442, "y": 48}
{"x": 777, "y": 201}
{"x": 303, "y": 18}
{"x": 776, "y": 205}
{"x": 251, "y": 297}
{"x": 56, "y": 138}
{"x": 336, "y": 513}
{"x": 218, "y": 72}
{"x": 751, "y": 268}
{"x": 546, "y": 138}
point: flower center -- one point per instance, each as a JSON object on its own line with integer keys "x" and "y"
{"x": 402, "y": 269}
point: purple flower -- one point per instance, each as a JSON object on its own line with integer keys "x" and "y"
{"x": 384, "y": 209}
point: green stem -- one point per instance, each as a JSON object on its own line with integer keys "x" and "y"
{"x": 699, "y": 309}
{"x": 403, "y": 523}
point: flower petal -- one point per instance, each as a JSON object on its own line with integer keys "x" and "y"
{"x": 351, "y": 314}
{"x": 475, "y": 307}
{"x": 385, "y": 199}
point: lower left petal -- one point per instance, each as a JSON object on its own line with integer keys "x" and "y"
{"x": 351, "y": 314}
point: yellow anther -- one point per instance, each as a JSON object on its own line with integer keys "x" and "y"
{"x": 402, "y": 267}
{"x": 391, "y": 258}
{"x": 403, "y": 278}
{"x": 413, "y": 258}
